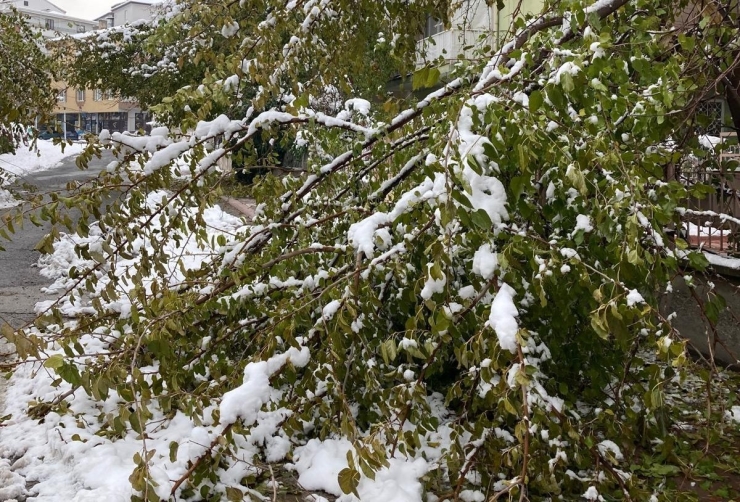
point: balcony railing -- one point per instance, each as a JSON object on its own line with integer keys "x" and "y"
{"x": 703, "y": 225}
{"x": 452, "y": 45}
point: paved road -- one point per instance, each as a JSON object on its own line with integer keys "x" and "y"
{"x": 20, "y": 282}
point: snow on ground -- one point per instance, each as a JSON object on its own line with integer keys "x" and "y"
{"x": 701, "y": 231}
{"x": 66, "y": 458}
{"x": 26, "y": 161}
{"x": 7, "y": 200}
{"x": 62, "y": 457}
{"x": 47, "y": 156}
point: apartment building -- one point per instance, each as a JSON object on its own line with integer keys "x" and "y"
{"x": 49, "y": 19}
{"x": 127, "y": 12}
{"x": 92, "y": 110}
{"x": 473, "y": 25}
{"x": 86, "y": 110}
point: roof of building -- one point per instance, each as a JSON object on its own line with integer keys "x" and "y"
{"x": 58, "y": 8}
{"x": 14, "y": 3}
{"x": 59, "y": 15}
{"x": 126, "y": 2}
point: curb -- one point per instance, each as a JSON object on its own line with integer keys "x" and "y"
{"x": 243, "y": 208}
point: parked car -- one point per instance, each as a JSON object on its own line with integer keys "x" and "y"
{"x": 71, "y": 135}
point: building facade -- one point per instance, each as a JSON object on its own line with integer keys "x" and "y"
{"x": 127, "y": 12}
{"x": 475, "y": 24}
{"x": 49, "y": 19}
{"x": 92, "y": 110}
{"x": 86, "y": 110}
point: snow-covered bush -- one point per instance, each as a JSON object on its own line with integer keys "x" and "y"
{"x": 456, "y": 301}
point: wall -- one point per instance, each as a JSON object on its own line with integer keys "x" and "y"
{"x": 692, "y": 325}
{"x": 62, "y": 24}
{"x": 473, "y": 24}
{"x": 131, "y": 12}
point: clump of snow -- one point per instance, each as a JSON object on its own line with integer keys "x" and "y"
{"x": 245, "y": 401}
{"x": 503, "y": 318}
{"x": 723, "y": 261}
{"x": 634, "y": 298}
{"x": 361, "y": 234}
{"x": 592, "y": 494}
{"x": 709, "y": 142}
{"x": 485, "y": 261}
{"x": 7, "y": 200}
{"x": 318, "y": 464}
{"x": 733, "y": 414}
{"x": 361, "y": 106}
{"x": 611, "y": 447}
{"x": 583, "y": 222}
{"x": 330, "y": 309}
{"x": 433, "y": 285}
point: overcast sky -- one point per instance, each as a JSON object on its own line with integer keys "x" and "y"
{"x": 85, "y": 9}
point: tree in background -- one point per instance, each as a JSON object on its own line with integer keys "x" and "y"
{"x": 458, "y": 300}
{"x": 25, "y": 80}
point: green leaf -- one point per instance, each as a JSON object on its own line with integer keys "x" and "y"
{"x": 349, "y": 480}
{"x": 420, "y": 78}
{"x": 173, "y": 451}
{"x": 599, "y": 325}
{"x": 481, "y": 219}
{"x": 54, "y": 362}
{"x": 535, "y": 101}
{"x": 432, "y": 78}
{"x": 134, "y": 421}
{"x": 517, "y": 186}
{"x": 234, "y": 494}
{"x": 698, "y": 261}
{"x": 566, "y": 80}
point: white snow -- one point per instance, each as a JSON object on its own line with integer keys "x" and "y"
{"x": 318, "y": 464}
{"x": 592, "y": 494}
{"x": 723, "y": 261}
{"x": 485, "y": 261}
{"x": 733, "y": 414}
{"x": 611, "y": 447}
{"x": 583, "y": 222}
{"x": 26, "y": 161}
{"x": 245, "y": 401}
{"x": 432, "y": 285}
{"x": 634, "y": 298}
{"x": 503, "y": 318}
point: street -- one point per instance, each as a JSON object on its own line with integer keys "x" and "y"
{"x": 20, "y": 282}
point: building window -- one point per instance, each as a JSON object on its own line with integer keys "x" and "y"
{"x": 433, "y": 27}
{"x": 713, "y": 111}
{"x": 62, "y": 95}
{"x": 25, "y": 3}
{"x": 98, "y": 95}
{"x": 80, "y": 94}
{"x": 108, "y": 95}
{"x": 81, "y": 28}
{"x": 49, "y": 24}
{"x": 102, "y": 24}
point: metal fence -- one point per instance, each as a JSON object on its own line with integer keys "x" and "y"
{"x": 704, "y": 223}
